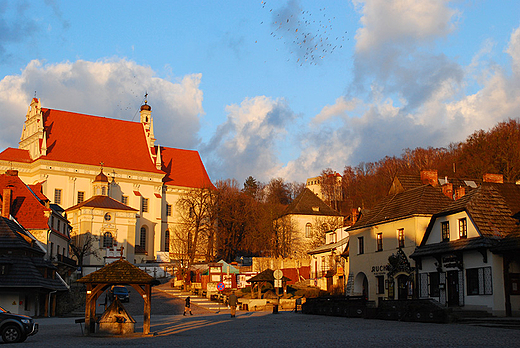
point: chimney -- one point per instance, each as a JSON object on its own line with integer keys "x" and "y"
{"x": 459, "y": 192}
{"x": 494, "y": 178}
{"x": 354, "y": 215}
{"x": 6, "y": 203}
{"x": 429, "y": 177}
{"x": 447, "y": 190}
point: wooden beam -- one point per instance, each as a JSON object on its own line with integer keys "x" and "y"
{"x": 147, "y": 309}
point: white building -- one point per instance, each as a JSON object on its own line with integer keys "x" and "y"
{"x": 382, "y": 240}
{"x": 469, "y": 257}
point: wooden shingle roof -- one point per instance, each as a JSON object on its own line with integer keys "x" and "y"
{"x": 307, "y": 203}
{"x": 422, "y": 200}
{"x": 118, "y": 272}
{"x": 26, "y": 267}
{"x": 13, "y": 239}
{"x": 489, "y": 210}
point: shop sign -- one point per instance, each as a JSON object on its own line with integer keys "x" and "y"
{"x": 451, "y": 261}
{"x": 380, "y": 269}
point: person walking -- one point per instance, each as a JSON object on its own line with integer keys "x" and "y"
{"x": 233, "y": 301}
{"x": 187, "y": 306}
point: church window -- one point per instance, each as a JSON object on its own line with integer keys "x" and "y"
{"x": 124, "y": 200}
{"x": 81, "y": 196}
{"x": 308, "y": 228}
{"x": 167, "y": 240}
{"x": 57, "y": 196}
{"x": 108, "y": 240}
{"x": 144, "y": 205}
{"x": 142, "y": 239}
{"x": 168, "y": 210}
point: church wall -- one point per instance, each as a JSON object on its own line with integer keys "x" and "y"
{"x": 72, "y": 178}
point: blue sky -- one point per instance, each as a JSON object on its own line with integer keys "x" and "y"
{"x": 269, "y": 88}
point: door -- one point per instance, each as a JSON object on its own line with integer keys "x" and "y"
{"x": 453, "y": 288}
{"x": 402, "y": 287}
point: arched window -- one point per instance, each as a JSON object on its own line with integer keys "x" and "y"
{"x": 167, "y": 240}
{"x": 108, "y": 240}
{"x": 308, "y": 229}
{"x": 142, "y": 239}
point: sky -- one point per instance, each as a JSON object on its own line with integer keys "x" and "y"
{"x": 269, "y": 89}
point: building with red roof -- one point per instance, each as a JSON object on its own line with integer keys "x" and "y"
{"x": 62, "y": 152}
{"x": 33, "y": 210}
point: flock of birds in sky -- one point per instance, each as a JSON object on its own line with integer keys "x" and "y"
{"x": 309, "y": 36}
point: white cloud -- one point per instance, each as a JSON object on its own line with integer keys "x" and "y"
{"x": 112, "y": 88}
{"x": 246, "y": 143}
{"x": 351, "y": 130}
{"x": 514, "y": 51}
{"x": 402, "y": 22}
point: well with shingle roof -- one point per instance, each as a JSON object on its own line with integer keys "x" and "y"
{"x": 117, "y": 273}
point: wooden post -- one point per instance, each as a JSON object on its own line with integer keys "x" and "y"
{"x": 507, "y": 284}
{"x": 88, "y": 312}
{"x": 147, "y": 309}
{"x": 46, "y": 311}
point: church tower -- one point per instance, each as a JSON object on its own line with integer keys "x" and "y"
{"x": 147, "y": 122}
{"x": 100, "y": 184}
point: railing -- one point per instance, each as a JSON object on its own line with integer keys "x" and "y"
{"x": 66, "y": 260}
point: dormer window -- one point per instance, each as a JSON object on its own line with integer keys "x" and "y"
{"x": 315, "y": 208}
{"x": 445, "y": 230}
{"x": 463, "y": 228}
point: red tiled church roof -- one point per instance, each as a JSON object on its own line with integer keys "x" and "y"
{"x": 102, "y": 202}
{"x": 85, "y": 139}
{"x": 15, "y": 155}
{"x": 184, "y": 168}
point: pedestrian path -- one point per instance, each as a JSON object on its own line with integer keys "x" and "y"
{"x": 202, "y": 302}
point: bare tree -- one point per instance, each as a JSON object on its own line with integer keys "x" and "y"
{"x": 194, "y": 235}
{"x": 82, "y": 246}
{"x": 321, "y": 226}
{"x": 285, "y": 241}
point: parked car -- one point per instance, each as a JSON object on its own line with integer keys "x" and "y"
{"x": 15, "y": 327}
{"x": 121, "y": 292}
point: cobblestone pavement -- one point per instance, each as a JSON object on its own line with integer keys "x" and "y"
{"x": 264, "y": 329}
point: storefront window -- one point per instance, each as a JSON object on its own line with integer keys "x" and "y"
{"x": 380, "y": 284}
{"x": 472, "y": 278}
{"x": 434, "y": 284}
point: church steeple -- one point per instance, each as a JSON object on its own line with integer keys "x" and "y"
{"x": 100, "y": 184}
{"x": 147, "y": 122}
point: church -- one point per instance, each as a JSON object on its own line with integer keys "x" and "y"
{"x": 117, "y": 186}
